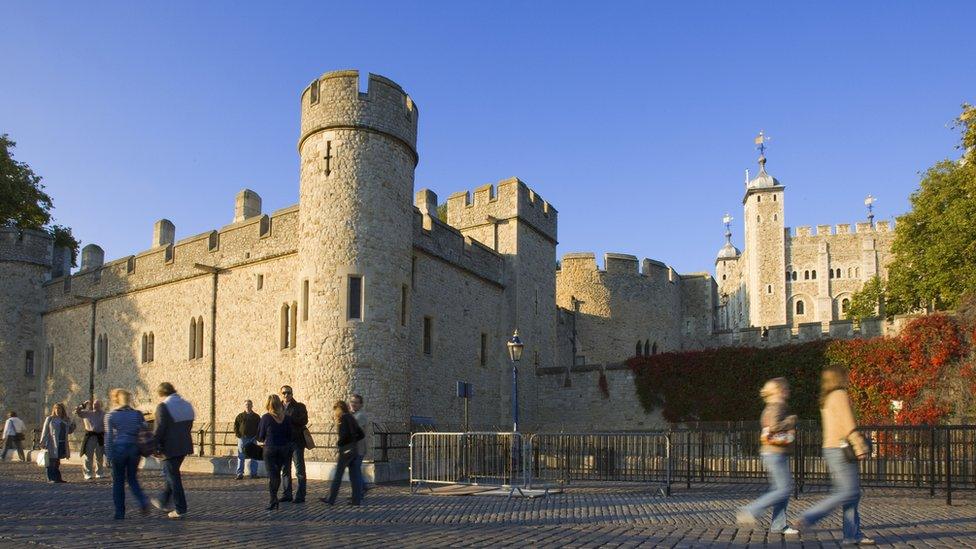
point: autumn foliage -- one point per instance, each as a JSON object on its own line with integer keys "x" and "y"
{"x": 928, "y": 368}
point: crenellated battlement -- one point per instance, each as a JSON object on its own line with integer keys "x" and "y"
{"x": 26, "y": 246}
{"x": 438, "y": 239}
{"x": 510, "y": 198}
{"x": 333, "y": 101}
{"x": 618, "y": 264}
{"x": 840, "y": 229}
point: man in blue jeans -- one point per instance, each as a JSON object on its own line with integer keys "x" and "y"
{"x": 174, "y": 423}
{"x": 246, "y": 429}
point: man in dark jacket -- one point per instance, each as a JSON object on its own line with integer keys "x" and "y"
{"x": 174, "y": 423}
{"x": 246, "y": 429}
{"x": 298, "y": 415}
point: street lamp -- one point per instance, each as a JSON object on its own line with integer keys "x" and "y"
{"x": 515, "y": 348}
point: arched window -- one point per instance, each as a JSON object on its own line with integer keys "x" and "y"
{"x": 759, "y": 198}
{"x": 813, "y": 274}
{"x": 774, "y": 198}
{"x": 830, "y": 273}
{"x": 145, "y": 348}
{"x": 639, "y": 350}
{"x": 838, "y": 273}
{"x": 787, "y": 276}
{"x": 857, "y": 272}
{"x": 850, "y": 272}
{"x": 193, "y": 339}
{"x": 101, "y": 353}
{"x": 845, "y": 305}
{"x": 647, "y": 347}
{"x": 799, "y": 307}
{"x": 723, "y": 277}
{"x": 199, "y": 337}
{"x": 806, "y": 275}
{"x": 654, "y": 348}
{"x": 152, "y": 347}
{"x": 794, "y": 275}
{"x": 758, "y": 218}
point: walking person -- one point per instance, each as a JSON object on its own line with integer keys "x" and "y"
{"x": 246, "y": 429}
{"x": 54, "y": 439}
{"x": 298, "y": 416}
{"x": 93, "y": 445}
{"x": 121, "y": 428}
{"x": 776, "y": 437}
{"x": 13, "y": 436}
{"x": 347, "y": 444}
{"x": 274, "y": 431}
{"x": 356, "y": 405}
{"x": 843, "y": 447}
{"x": 174, "y": 422}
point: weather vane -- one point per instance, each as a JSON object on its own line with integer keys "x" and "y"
{"x": 869, "y": 202}
{"x": 761, "y": 140}
{"x": 727, "y": 219}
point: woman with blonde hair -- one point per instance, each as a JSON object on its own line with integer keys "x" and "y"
{"x": 776, "y": 437}
{"x": 122, "y": 426}
{"x": 843, "y": 447}
{"x": 274, "y": 431}
{"x": 54, "y": 439}
{"x": 349, "y": 435}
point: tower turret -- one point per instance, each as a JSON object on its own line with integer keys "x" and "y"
{"x": 358, "y": 155}
{"x": 765, "y": 246}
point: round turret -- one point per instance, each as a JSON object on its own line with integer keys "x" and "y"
{"x": 358, "y": 154}
{"x": 728, "y": 251}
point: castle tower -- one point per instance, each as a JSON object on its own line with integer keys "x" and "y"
{"x": 358, "y": 155}
{"x": 765, "y": 261}
{"x": 728, "y": 274}
{"x": 25, "y": 264}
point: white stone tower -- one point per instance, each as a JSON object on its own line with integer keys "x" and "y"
{"x": 765, "y": 263}
{"x": 358, "y": 155}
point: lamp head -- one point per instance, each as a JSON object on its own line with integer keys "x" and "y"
{"x": 515, "y": 347}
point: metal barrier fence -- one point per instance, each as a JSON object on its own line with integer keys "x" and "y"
{"x": 494, "y": 459}
{"x": 619, "y": 457}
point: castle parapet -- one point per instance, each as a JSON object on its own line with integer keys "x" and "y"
{"x": 841, "y": 329}
{"x": 510, "y": 198}
{"x": 440, "y": 240}
{"x": 843, "y": 228}
{"x": 882, "y": 226}
{"x": 334, "y": 101}
{"x": 809, "y": 331}
{"x": 620, "y": 264}
{"x": 579, "y": 261}
{"x": 26, "y": 246}
{"x": 863, "y": 227}
{"x": 872, "y": 327}
{"x": 823, "y": 230}
{"x": 803, "y": 231}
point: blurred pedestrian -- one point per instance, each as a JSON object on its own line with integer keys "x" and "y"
{"x": 298, "y": 416}
{"x": 246, "y": 429}
{"x": 347, "y": 445}
{"x": 274, "y": 431}
{"x": 174, "y": 422}
{"x": 93, "y": 445}
{"x": 121, "y": 427}
{"x": 13, "y": 436}
{"x": 54, "y": 439}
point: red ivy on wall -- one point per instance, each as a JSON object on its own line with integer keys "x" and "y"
{"x": 723, "y": 384}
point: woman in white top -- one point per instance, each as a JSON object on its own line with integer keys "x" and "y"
{"x": 13, "y": 436}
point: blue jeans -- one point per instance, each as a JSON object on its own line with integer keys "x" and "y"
{"x": 297, "y": 458}
{"x": 357, "y": 463}
{"x": 846, "y": 493}
{"x": 253, "y": 466}
{"x": 355, "y": 478}
{"x": 275, "y": 458}
{"x": 54, "y": 469}
{"x": 778, "y": 496}
{"x": 125, "y": 466}
{"x": 174, "y": 484}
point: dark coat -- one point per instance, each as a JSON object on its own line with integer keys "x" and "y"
{"x": 298, "y": 415}
{"x": 173, "y": 430}
{"x": 349, "y": 432}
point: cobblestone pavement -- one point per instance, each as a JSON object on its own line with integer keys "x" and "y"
{"x": 228, "y": 513}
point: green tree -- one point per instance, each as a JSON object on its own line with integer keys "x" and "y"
{"x": 23, "y": 202}
{"x": 866, "y": 302}
{"x": 442, "y": 212}
{"x": 934, "y": 251}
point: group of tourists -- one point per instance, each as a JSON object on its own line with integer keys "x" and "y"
{"x": 122, "y": 436}
{"x": 843, "y": 447}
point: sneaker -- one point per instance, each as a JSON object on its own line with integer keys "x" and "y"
{"x": 745, "y": 518}
{"x": 99, "y": 476}
{"x": 88, "y": 477}
{"x": 790, "y": 532}
{"x": 239, "y": 477}
{"x": 175, "y": 515}
{"x": 159, "y": 505}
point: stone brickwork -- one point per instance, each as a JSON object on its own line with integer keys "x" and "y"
{"x": 270, "y": 299}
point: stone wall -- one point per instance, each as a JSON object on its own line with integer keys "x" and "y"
{"x": 573, "y": 402}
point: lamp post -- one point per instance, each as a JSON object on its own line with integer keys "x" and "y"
{"x": 515, "y": 347}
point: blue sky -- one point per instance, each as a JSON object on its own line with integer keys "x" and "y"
{"x": 635, "y": 120}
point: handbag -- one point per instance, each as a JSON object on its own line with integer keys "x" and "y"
{"x": 145, "y": 441}
{"x": 253, "y": 452}
{"x": 19, "y": 436}
{"x": 43, "y": 460}
{"x": 847, "y": 446}
{"x": 309, "y": 441}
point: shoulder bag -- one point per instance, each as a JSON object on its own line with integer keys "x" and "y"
{"x": 309, "y": 441}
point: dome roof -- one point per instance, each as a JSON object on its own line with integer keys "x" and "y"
{"x": 728, "y": 252}
{"x": 763, "y": 180}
